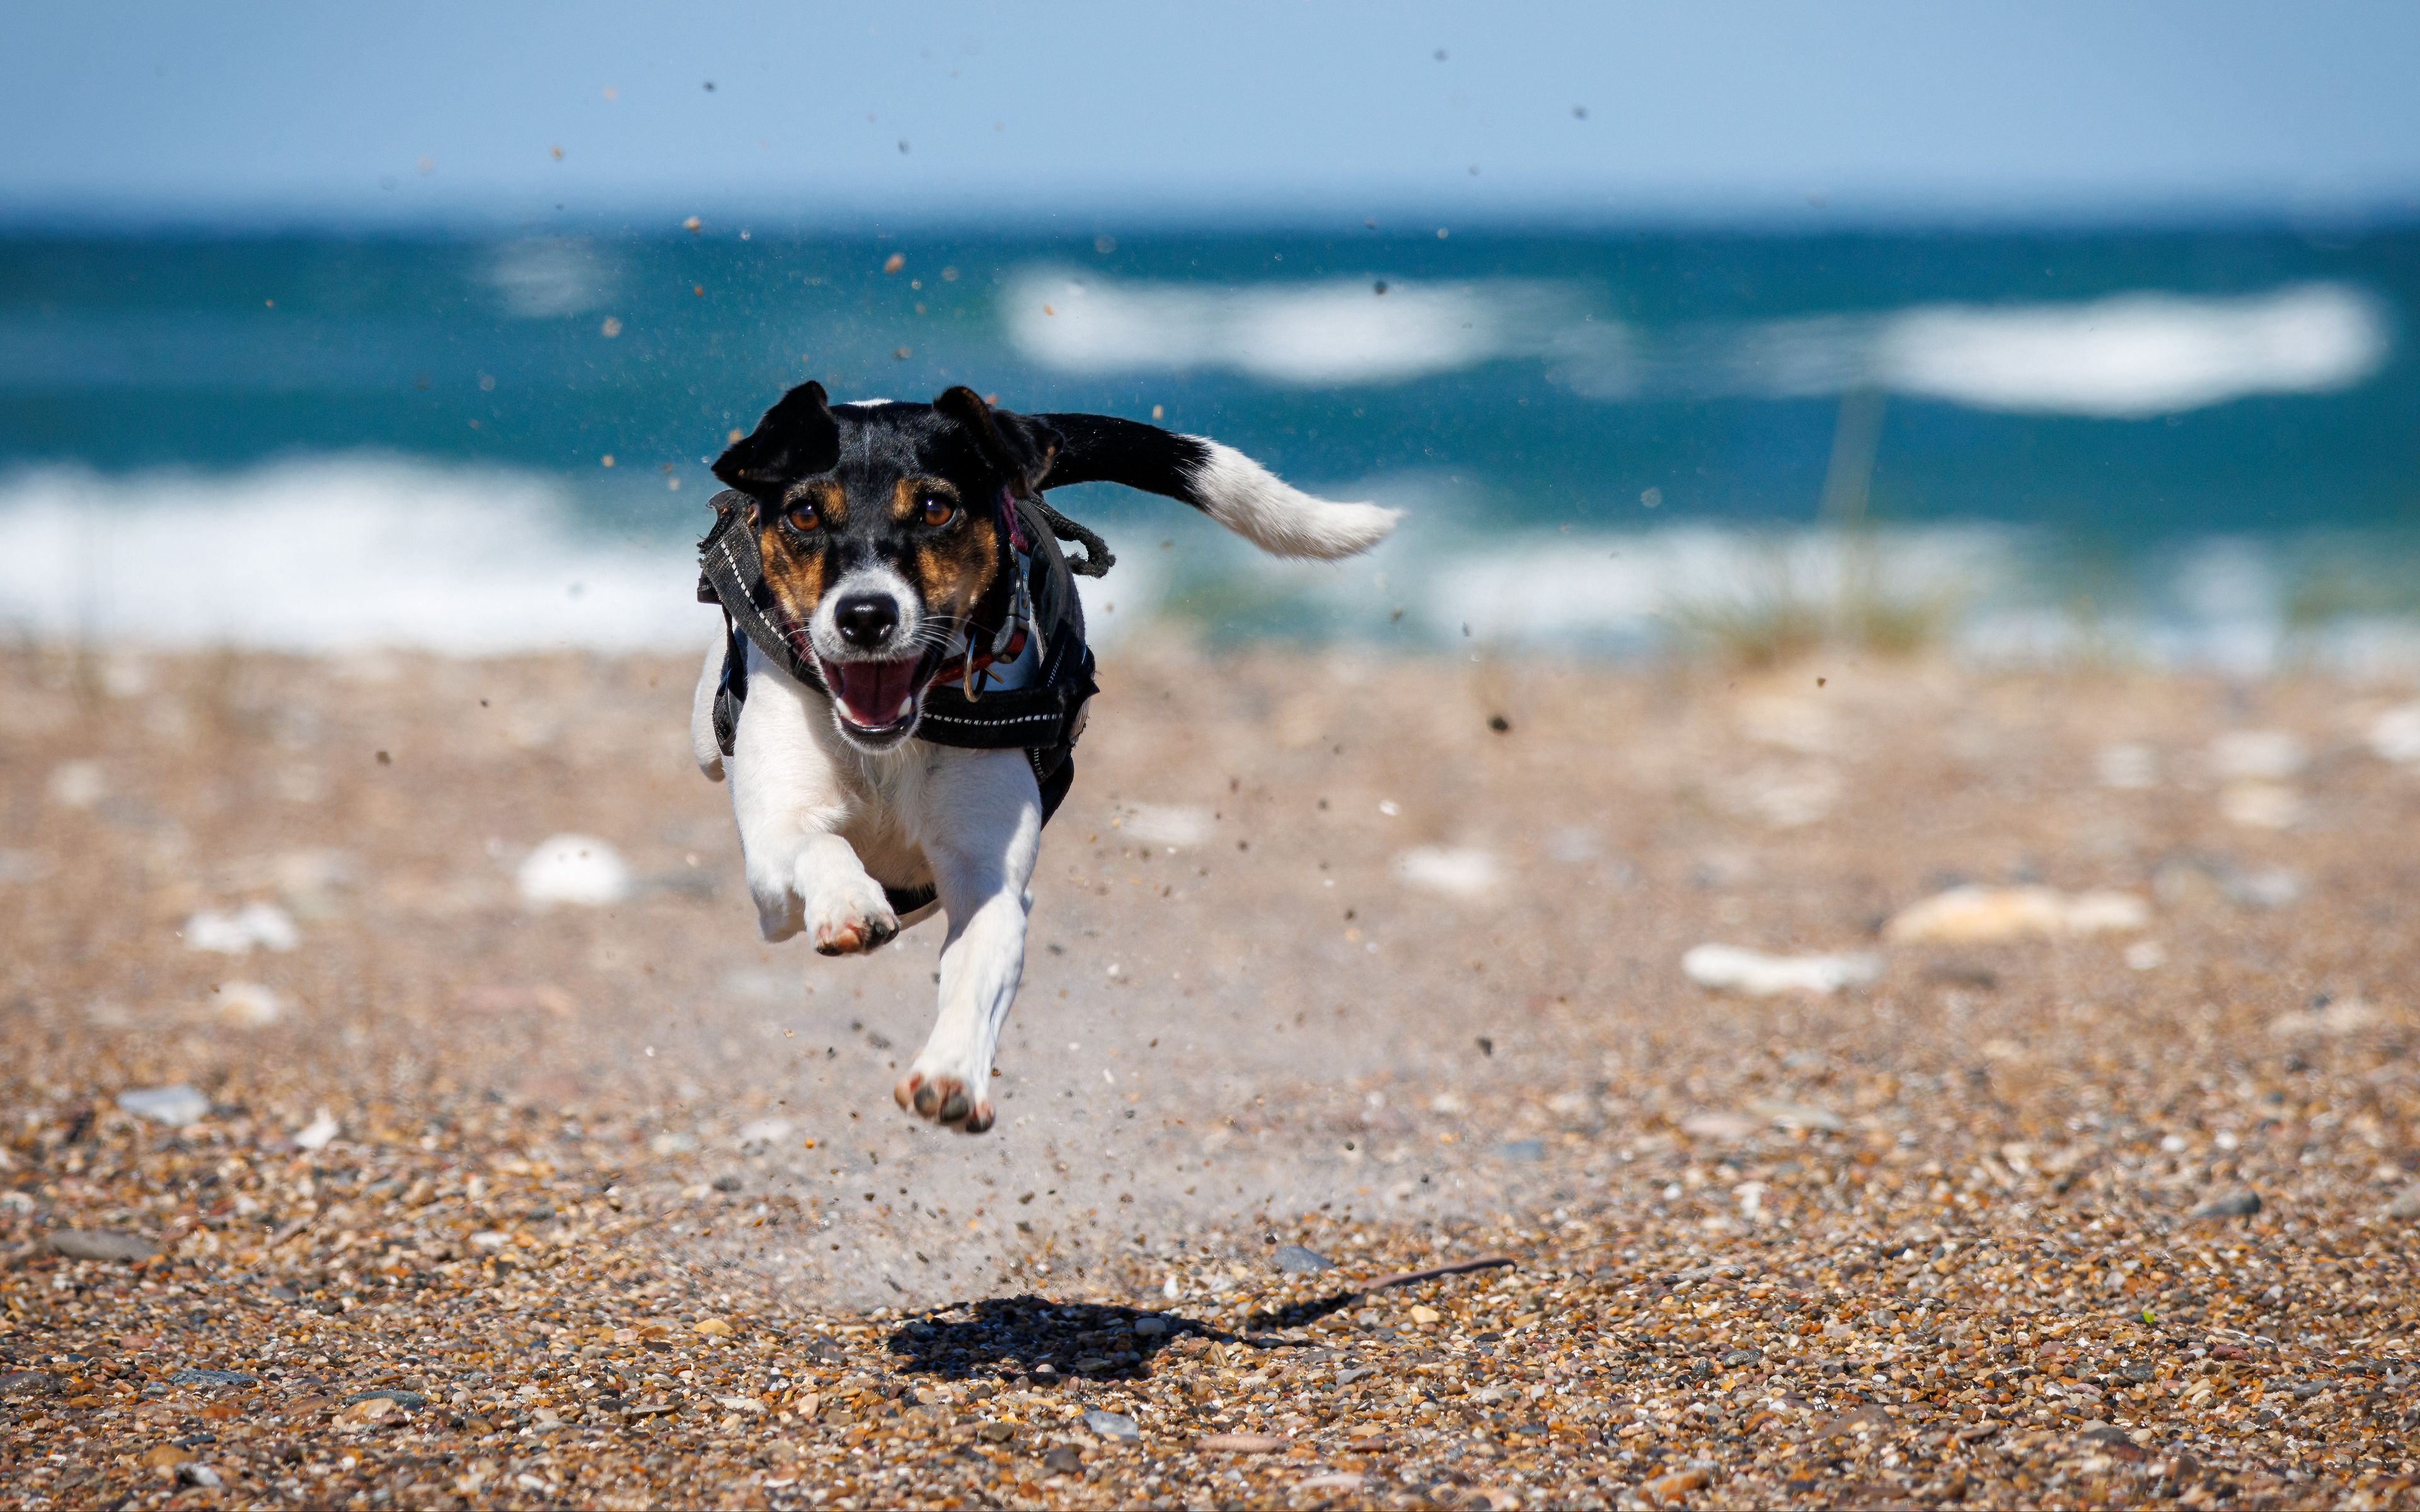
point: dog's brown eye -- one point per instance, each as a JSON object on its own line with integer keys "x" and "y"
{"x": 938, "y": 511}
{"x": 804, "y": 518}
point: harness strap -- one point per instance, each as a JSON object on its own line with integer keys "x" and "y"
{"x": 1043, "y": 720}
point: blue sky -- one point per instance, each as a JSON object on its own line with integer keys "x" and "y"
{"x": 1300, "y": 109}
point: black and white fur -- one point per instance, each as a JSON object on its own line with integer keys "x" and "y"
{"x": 825, "y": 823}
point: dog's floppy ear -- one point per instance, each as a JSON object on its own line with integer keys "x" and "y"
{"x": 1020, "y": 446}
{"x": 797, "y": 438}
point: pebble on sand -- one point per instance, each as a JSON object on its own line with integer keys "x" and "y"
{"x": 2190, "y": 880}
{"x": 2395, "y": 733}
{"x": 392, "y": 1395}
{"x": 2233, "y": 1205}
{"x": 1977, "y": 915}
{"x": 102, "y": 1245}
{"x": 1797, "y": 1115}
{"x": 1733, "y": 968}
{"x": 2261, "y": 805}
{"x": 2273, "y": 754}
{"x": 1449, "y": 871}
{"x": 1337, "y": 1480}
{"x": 1165, "y": 825}
{"x": 1679, "y": 1483}
{"x": 78, "y": 784}
{"x": 239, "y": 930}
{"x": 1112, "y": 1426}
{"x": 249, "y": 1005}
{"x": 1722, "y": 1128}
{"x": 319, "y": 1132}
{"x": 2326, "y": 1020}
{"x": 1294, "y": 1259}
{"x": 1241, "y": 1444}
{"x": 573, "y": 868}
{"x": 175, "y": 1106}
{"x": 2127, "y": 766}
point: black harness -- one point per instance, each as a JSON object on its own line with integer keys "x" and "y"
{"x": 1042, "y": 719}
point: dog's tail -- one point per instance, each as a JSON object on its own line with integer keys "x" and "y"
{"x": 1220, "y": 481}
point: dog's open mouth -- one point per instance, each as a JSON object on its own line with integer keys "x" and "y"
{"x": 877, "y": 700}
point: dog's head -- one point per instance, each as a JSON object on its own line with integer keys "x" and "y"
{"x": 881, "y": 526}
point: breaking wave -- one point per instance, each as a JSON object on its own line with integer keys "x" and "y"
{"x": 2135, "y": 355}
{"x": 330, "y": 555}
{"x": 1299, "y": 335}
{"x": 2129, "y": 356}
{"x": 350, "y": 553}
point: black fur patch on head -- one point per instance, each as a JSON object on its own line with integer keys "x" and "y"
{"x": 797, "y": 439}
{"x": 1020, "y": 446}
{"x": 837, "y": 489}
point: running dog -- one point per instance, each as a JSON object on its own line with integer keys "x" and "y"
{"x": 902, "y": 673}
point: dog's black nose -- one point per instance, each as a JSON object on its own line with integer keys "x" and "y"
{"x": 867, "y": 620}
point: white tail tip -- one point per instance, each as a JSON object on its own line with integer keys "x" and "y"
{"x": 1280, "y": 519}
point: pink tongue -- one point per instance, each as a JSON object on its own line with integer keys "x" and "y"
{"x": 872, "y": 691}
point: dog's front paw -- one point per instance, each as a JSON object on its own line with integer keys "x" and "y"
{"x": 951, "y": 1097}
{"x": 778, "y": 912}
{"x": 852, "y": 918}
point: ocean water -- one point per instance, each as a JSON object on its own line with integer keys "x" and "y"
{"x": 2199, "y": 446}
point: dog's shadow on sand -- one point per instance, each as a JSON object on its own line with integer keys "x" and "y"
{"x": 1044, "y": 1340}
{"x": 1055, "y": 1341}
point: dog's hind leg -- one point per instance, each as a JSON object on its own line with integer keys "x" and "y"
{"x": 702, "y": 743}
{"x": 787, "y": 794}
{"x": 981, "y": 827}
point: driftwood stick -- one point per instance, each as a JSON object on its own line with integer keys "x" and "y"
{"x": 1459, "y": 1267}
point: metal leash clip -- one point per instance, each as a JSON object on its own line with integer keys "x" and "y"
{"x": 972, "y": 678}
{"x": 1021, "y": 611}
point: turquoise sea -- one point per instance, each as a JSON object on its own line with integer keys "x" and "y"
{"x": 2183, "y": 427}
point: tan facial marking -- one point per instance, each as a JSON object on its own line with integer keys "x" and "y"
{"x": 954, "y": 570}
{"x": 794, "y": 574}
{"x": 831, "y": 505}
{"x": 954, "y": 565}
{"x": 907, "y": 498}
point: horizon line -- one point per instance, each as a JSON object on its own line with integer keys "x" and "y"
{"x": 1387, "y": 217}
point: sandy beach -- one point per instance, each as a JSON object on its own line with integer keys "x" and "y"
{"x": 338, "y": 1171}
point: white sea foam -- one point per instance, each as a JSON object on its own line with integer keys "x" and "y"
{"x": 355, "y": 553}
{"x": 1996, "y": 594}
{"x": 2129, "y": 356}
{"x": 1304, "y": 336}
{"x": 2135, "y": 355}
{"x": 550, "y": 276}
{"x": 334, "y": 554}
{"x": 1633, "y": 586}
{"x": 349, "y": 553}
